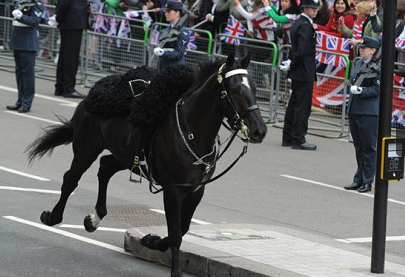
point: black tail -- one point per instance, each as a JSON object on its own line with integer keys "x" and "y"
{"x": 52, "y": 137}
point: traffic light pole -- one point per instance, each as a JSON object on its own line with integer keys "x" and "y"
{"x": 384, "y": 130}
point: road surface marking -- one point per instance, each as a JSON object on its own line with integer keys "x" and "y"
{"x": 51, "y": 98}
{"x": 30, "y": 190}
{"x": 193, "y": 220}
{"x": 69, "y": 235}
{"x": 338, "y": 188}
{"x": 71, "y": 226}
{"x": 33, "y": 117}
{"x": 360, "y": 240}
{"x": 23, "y": 174}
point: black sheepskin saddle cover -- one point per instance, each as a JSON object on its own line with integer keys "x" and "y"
{"x": 144, "y": 105}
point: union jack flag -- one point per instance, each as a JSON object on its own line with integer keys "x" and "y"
{"x": 123, "y": 31}
{"x": 192, "y": 43}
{"x": 131, "y": 14}
{"x": 154, "y": 38}
{"x": 112, "y": 27}
{"x": 398, "y": 103}
{"x": 335, "y": 46}
{"x": 400, "y": 44}
{"x": 330, "y": 91}
{"x": 233, "y": 28}
{"x": 101, "y": 24}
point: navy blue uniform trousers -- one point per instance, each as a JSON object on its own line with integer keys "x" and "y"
{"x": 364, "y": 133}
{"x": 68, "y": 62}
{"x": 297, "y": 113}
{"x": 25, "y": 75}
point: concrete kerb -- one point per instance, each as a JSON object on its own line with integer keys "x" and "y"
{"x": 204, "y": 261}
{"x": 254, "y": 250}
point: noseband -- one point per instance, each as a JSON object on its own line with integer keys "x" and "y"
{"x": 236, "y": 120}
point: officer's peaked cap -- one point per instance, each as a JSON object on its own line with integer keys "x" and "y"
{"x": 311, "y": 3}
{"x": 369, "y": 42}
{"x": 175, "y": 5}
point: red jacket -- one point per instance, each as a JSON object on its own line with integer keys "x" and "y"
{"x": 332, "y": 26}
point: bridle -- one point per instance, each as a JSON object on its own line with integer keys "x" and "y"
{"x": 236, "y": 123}
{"x": 236, "y": 119}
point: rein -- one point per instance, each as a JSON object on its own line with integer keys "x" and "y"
{"x": 237, "y": 125}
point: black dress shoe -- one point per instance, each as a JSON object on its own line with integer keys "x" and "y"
{"x": 286, "y": 144}
{"x": 353, "y": 186}
{"x": 23, "y": 110}
{"x": 13, "y": 107}
{"x": 58, "y": 93}
{"x": 74, "y": 94}
{"x": 304, "y": 146}
{"x": 364, "y": 188}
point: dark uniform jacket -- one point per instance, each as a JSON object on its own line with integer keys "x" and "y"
{"x": 24, "y": 34}
{"x": 174, "y": 42}
{"x": 303, "y": 42}
{"x": 365, "y": 103}
{"x": 72, "y": 14}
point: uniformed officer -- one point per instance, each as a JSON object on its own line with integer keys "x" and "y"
{"x": 25, "y": 43}
{"x": 174, "y": 39}
{"x": 72, "y": 19}
{"x": 363, "y": 112}
{"x": 302, "y": 72}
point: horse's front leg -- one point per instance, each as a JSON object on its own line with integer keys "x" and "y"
{"x": 173, "y": 203}
{"x": 109, "y": 165}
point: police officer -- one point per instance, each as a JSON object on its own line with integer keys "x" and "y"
{"x": 72, "y": 19}
{"x": 174, "y": 39}
{"x": 363, "y": 112}
{"x": 302, "y": 72}
{"x": 25, "y": 43}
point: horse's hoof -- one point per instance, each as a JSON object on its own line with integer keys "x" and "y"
{"x": 88, "y": 224}
{"x": 150, "y": 241}
{"x": 46, "y": 218}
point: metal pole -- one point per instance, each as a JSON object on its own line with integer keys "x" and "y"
{"x": 384, "y": 130}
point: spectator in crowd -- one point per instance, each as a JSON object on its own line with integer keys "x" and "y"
{"x": 363, "y": 112}
{"x": 376, "y": 12}
{"x": 174, "y": 39}
{"x": 323, "y": 15}
{"x": 260, "y": 24}
{"x": 24, "y": 42}
{"x": 302, "y": 72}
{"x": 362, "y": 26}
{"x": 72, "y": 19}
{"x": 159, "y": 9}
{"x": 216, "y": 15}
{"x": 288, "y": 12}
{"x": 341, "y": 12}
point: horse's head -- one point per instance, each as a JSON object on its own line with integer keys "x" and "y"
{"x": 238, "y": 92}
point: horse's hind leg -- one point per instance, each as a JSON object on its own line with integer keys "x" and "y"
{"x": 71, "y": 178}
{"x": 109, "y": 165}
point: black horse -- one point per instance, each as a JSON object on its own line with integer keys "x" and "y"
{"x": 180, "y": 150}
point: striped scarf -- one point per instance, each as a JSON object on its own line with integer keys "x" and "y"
{"x": 358, "y": 30}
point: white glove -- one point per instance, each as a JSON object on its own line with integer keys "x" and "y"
{"x": 158, "y": 51}
{"x": 52, "y": 21}
{"x": 17, "y": 14}
{"x": 209, "y": 17}
{"x": 285, "y": 65}
{"x": 356, "y": 90}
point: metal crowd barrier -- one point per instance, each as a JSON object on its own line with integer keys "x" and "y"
{"x": 328, "y": 116}
{"x": 102, "y": 55}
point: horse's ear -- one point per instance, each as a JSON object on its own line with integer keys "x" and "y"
{"x": 230, "y": 60}
{"x": 245, "y": 61}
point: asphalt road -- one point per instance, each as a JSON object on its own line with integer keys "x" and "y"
{"x": 271, "y": 185}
